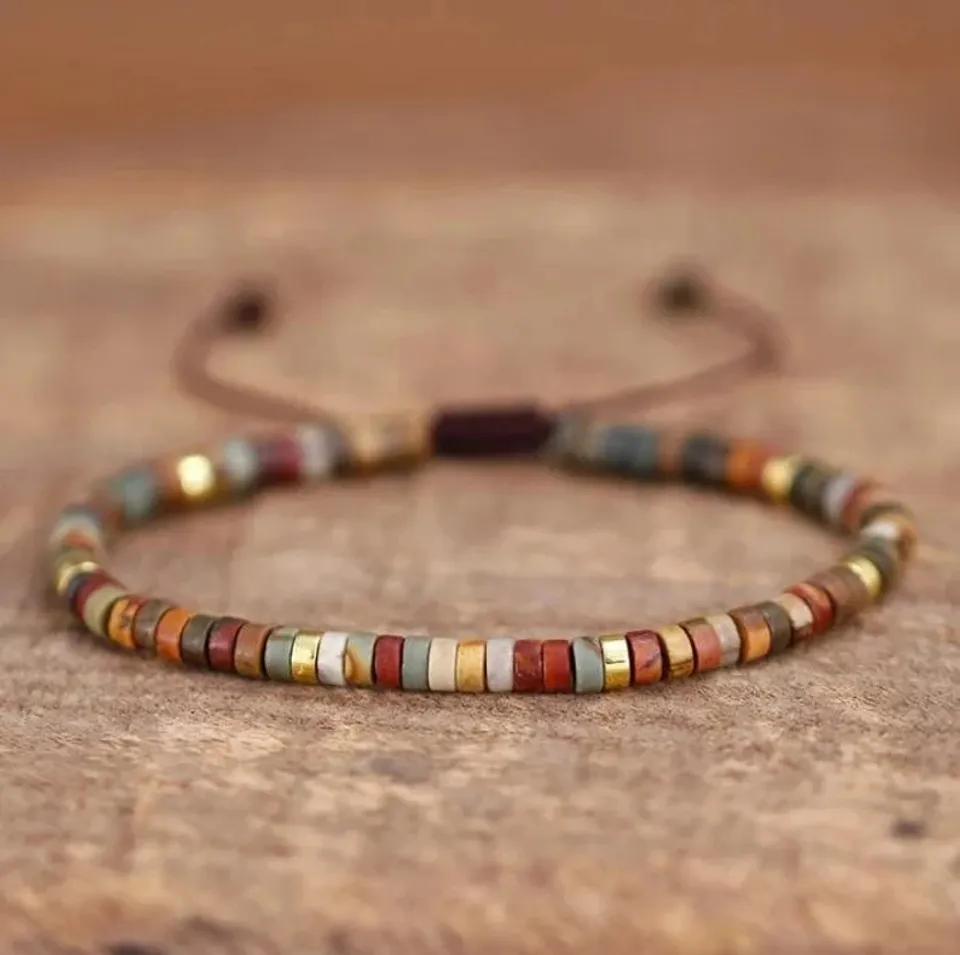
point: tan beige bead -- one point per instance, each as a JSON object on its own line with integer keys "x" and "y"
{"x": 442, "y": 665}
{"x": 800, "y": 614}
{"x": 616, "y": 662}
{"x": 868, "y": 572}
{"x": 471, "y": 666}
{"x": 387, "y": 441}
{"x": 678, "y": 651}
{"x": 303, "y": 657}
{"x": 778, "y": 475}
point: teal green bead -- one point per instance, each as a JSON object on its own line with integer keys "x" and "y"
{"x": 277, "y": 653}
{"x": 415, "y": 666}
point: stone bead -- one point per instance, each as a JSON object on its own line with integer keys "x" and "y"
{"x": 728, "y": 636}
{"x": 778, "y": 620}
{"x": 568, "y": 443}
{"x": 527, "y": 666}
{"x": 193, "y": 640}
{"x": 821, "y": 607}
{"x": 168, "y": 633}
{"x": 808, "y": 489}
{"x": 321, "y": 451}
{"x": 646, "y": 657}
{"x": 120, "y": 622}
{"x": 707, "y": 651}
{"x": 330, "y": 658}
{"x": 744, "y": 466}
{"x": 221, "y": 643}
{"x": 499, "y": 664}
{"x": 278, "y": 457}
{"x": 388, "y": 662}
{"x": 471, "y": 663}
{"x": 557, "y": 667}
{"x": 854, "y": 505}
{"x": 278, "y": 652}
{"x": 238, "y": 461}
{"x": 846, "y": 590}
{"x": 415, "y": 670}
{"x": 588, "y": 666}
{"x": 884, "y": 556}
{"x": 800, "y": 614}
{"x": 145, "y": 624}
{"x": 671, "y": 453}
{"x": 836, "y": 495}
{"x": 84, "y": 585}
{"x": 137, "y": 491}
{"x": 677, "y": 651}
{"x": 898, "y": 530}
{"x": 78, "y": 519}
{"x": 249, "y": 649}
{"x": 68, "y": 565}
{"x": 629, "y": 449}
{"x": 703, "y": 460}
{"x": 442, "y": 665}
{"x": 387, "y": 441}
{"x": 754, "y": 633}
{"x": 97, "y": 606}
{"x": 358, "y": 659}
{"x": 778, "y": 476}
{"x": 616, "y": 662}
{"x": 303, "y": 657}
{"x": 868, "y": 572}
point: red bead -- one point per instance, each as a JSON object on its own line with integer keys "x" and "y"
{"x": 280, "y": 459}
{"x": 557, "y": 671}
{"x": 221, "y": 643}
{"x": 388, "y": 661}
{"x": 527, "y": 666}
{"x": 646, "y": 657}
{"x": 819, "y": 603}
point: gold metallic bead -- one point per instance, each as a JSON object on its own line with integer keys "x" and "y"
{"x": 678, "y": 650}
{"x": 303, "y": 657}
{"x": 616, "y": 662}
{"x": 868, "y": 572}
{"x": 197, "y": 477}
{"x": 778, "y": 476}
{"x": 68, "y": 565}
{"x": 471, "y": 666}
{"x": 387, "y": 441}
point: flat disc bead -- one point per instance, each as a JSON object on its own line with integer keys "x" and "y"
{"x": 677, "y": 651}
{"x": 868, "y": 572}
{"x": 800, "y": 614}
{"x": 321, "y": 451}
{"x": 278, "y": 459}
{"x": 588, "y": 665}
{"x": 277, "y": 654}
{"x": 145, "y": 624}
{"x": 646, "y": 657}
{"x": 415, "y": 668}
{"x": 846, "y": 590}
{"x": 68, "y": 565}
{"x": 499, "y": 664}
{"x": 238, "y": 462}
{"x": 471, "y": 664}
{"x": 222, "y": 642}
{"x": 442, "y": 665}
{"x": 168, "y": 633}
{"x": 388, "y": 662}
{"x": 527, "y": 666}
{"x": 728, "y": 636}
{"x": 358, "y": 659}
{"x": 386, "y": 441}
{"x": 835, "y": 496}
{"x": 330, "y": 658}
{"x": 897, "y": 530}
{"x": 884, "y": 556}
{"x": 557, "y": 668}
{"x": 818, "y": 600}
{"x": 707, "y": 650}
{"x": 745, "y": 464}
{"x": 754, "y": 633}
{"x": 616, "y": 662}
{"x": 303, "y": 657}
{"x": 778, "y": 476}
{"x": 97, "y": 607}
{"x": 193, "y": 640}
{"x": 778, "y": 620}
{"x": 248, "y": 650}
{"x": 120, "y": 623}
{"x": 703, "y": 459}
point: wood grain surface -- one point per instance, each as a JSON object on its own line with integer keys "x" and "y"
{"x": 426, "y": 252}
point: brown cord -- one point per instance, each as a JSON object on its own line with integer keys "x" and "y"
{"x": 684, "y": 296}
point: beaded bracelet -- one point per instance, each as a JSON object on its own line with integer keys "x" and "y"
{"x": 884, "y": 530}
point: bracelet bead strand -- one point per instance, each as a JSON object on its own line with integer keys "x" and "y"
{"x": 883, "y": 530}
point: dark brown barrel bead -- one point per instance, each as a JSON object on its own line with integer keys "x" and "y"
{"x": 846, "y": 590}
{"x": 491, "y": 432}
{"x": 221, "y": 643}
{"x": 818, "y": 600}
{"x": 527, "y": 666}
{"x": 388, "y": 662}
{"x": 809, "y": 484}
{"x": 778, "y": 620}
{"x": 707, "y": 650}
{"x": 557, "y": 668}
{"x": 248, "y": 651}
{"x": 193, "y": 640}
{"x": 145, "y": 624}
{"x": 703, "y": 460}
{"x": 646, "y": 657}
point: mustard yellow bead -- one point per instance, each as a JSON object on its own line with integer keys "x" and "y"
{"x": 197, "y": 477}
{"x": 471, "y": 666}
{"x": 868, "y": 572}
{"x": 387, "y": 441}
{"x": 778, "y": 476}
{"x": 616, "y": 662}
{"x": 303, "y": 657}
{"x": 678, "y": 650}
